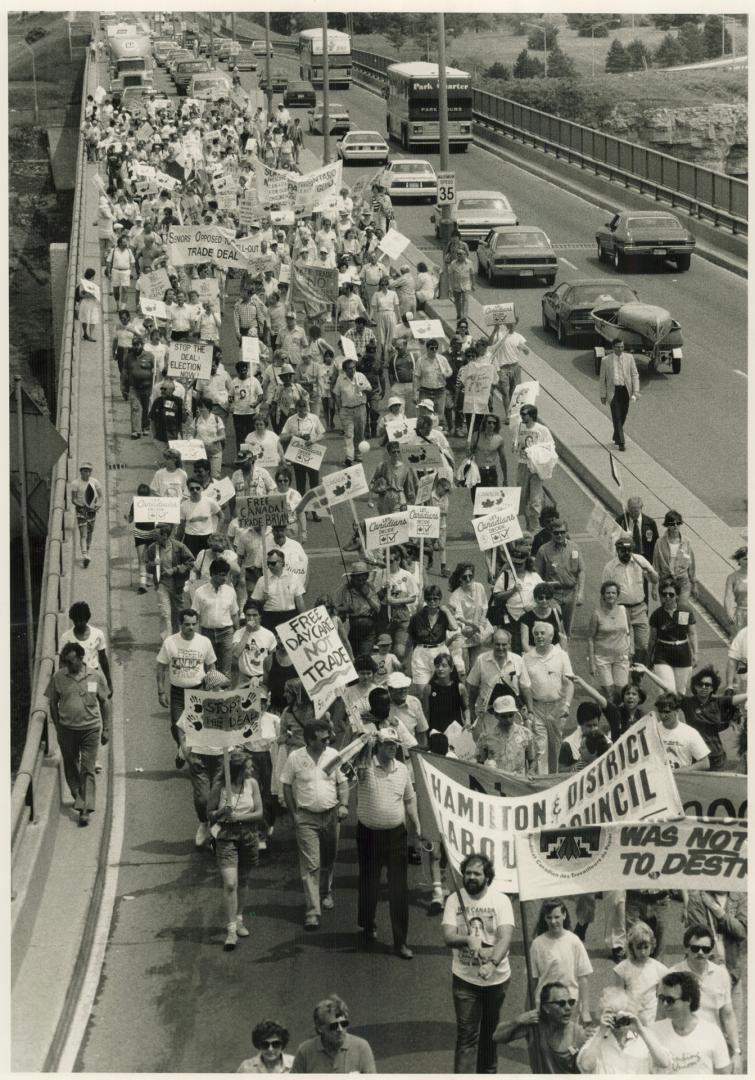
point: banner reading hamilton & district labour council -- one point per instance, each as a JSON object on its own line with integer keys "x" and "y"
{"x": 632, "y": 781}
{"x": 316, "y": 651}
{"x": 687, "y": 853}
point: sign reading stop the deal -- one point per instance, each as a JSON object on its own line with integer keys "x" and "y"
{"x": 386, "y": 530}
{"x": 424, "y": 521}
{"x": 500, "y": 527}
{"x": 190, "y": 359}
{"x": 303, "y": 453}
{"x": 158, "y": 509}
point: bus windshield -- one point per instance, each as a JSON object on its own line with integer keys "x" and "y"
{"x": 424, "y": 105}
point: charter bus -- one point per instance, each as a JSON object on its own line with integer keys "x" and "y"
{"x": 339, "y": 58}
{"x": 412, "y": 96}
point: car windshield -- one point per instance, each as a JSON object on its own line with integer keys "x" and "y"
{"x": 523, "y": 240}
{"x": 211, "y": 81}
{"x": 410, "y": 167}
{"x": 601, "y": 294}
{"x": 657, "y": 221}
{"x": 492, "y": 206}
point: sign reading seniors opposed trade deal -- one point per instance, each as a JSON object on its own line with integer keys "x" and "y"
{"x": 158, "y": 509}
{"x": 386, "y": 529}
{"x": 303, "y": 453}
{"x": 316, "y": 651}
{"x": 190, "y": 245}
{"x": 345, "y": 484}
{"x": 632, "y": 779}
{"x": 500, "y": 527}
{"x": 688, "y": 853}
{"x": 221, "y": 719}
{"x": 488, "y": 500}
{"x": 189, "y": 360}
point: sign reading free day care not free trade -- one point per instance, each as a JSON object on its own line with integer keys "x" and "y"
{"x": 318, "y": 654}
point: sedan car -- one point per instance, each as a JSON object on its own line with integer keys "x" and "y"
{"x": 363, "y": 146}
{"x": 278, "y": 79}
{"x": 520, "y": 251}
{"x": 566, "y": 309}
{"x": 209, "y": 86}
{"x": 410, "y": 178}
{"x": 161, "y": 50}
{"x": 652, "y": 234}
{"x": 244, "y": 61}
{"x": 339, "y": 121}
{"x": 299, "y": 94}
{"x": 176, "y": 57}
{"x": 477, "y": 212}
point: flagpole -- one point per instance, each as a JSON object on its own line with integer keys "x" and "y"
{"x": 530, "y": 995}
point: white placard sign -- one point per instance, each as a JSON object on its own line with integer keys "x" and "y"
{"x": 316, "y": 651}
{"x": 424, "y": 521}
{"x": 189, "y": 449}
{"x": 425, "y": 488}
{"x": 190, "y": 359}
{"x": 221, "y": 719}
{"x": 91, "y": 288}
{"x": 423, "y": 329}
{"x": 165, "y": 509}
{"x": 402, "y": 429}
{"x": 490, "y": 500}
{"x": 154, "y": 284}
{"x": 393, "y": 243}
{"x": 154, "y": 308}
{"x": 422, "y": 454}
{"x": 477, "y": 378}
{"x": 495, "y": 529}
{"x": 207, "y": 289}
{"x": 250, "y": 350}
{"x": 386, "y": 529}
{"x": 223, "y": 490}
{"x": 345, "y": 484}
{"x": 499, "y": 314}
{"x": 303, "y": 453}
{"x": 524, "y": 394}
{"x": 348, "y": 348}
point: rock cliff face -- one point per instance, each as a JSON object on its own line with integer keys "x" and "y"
{"x": 713, "y": 136}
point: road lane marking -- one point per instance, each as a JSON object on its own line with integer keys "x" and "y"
{"x": 738, "y": 372}
{"x": 571, "y": 264}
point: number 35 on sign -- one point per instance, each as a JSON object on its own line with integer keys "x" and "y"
{"x": 446, "y": 188}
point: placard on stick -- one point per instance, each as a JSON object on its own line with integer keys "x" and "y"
{"x": 189, "y": 360}
{"x": 495, "y": 529}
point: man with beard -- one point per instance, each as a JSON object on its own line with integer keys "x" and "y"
{"x": 478, "y": 924}
{"x": 630, "y": 572}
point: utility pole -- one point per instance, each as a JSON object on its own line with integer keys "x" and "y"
{"x": 325, "y": 92}
{"x": 18, "y": 384}
{"x": 212, "y": 40}
{"x": 445, "y": 211}
{"x": 268, "y": 72}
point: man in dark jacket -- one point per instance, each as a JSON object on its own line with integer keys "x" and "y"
{"x": 137, "y": 376}
{"x": 167, "y": 413}
{"x": 643, "y": 529}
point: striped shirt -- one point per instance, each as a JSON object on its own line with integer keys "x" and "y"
{"x": 383, "y": 795}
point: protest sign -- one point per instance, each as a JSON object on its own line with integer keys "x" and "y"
{"x": 154, "y": 308}
{"x": 345, "y": 484}
{"x": 524, "y": 394}
{"x": 393, "y": 243}
{"x": 145, "y": 187}
{"x": 207, "y": 289}
{"x": 402, "y": 429}
{"x": 424, "y": 521}
{"x": 632, "y": 779}
{"x": 153, "y": 285}
{"x": 163, "y": 103}
{"x": 256, "y": 512}
{"x": 314, "y": 287}
{"x": 190, "y": 359}
{"x": 386, "y": 529}
{"x": 461, "y": 741}
{"x": 318, "y": 190}
{"x": 423, "y": 329}
{"x": 284, "y": 274}
{"x": 221, "y": 719}
{"x": 249, "y": 207}
{"x": 494, "y": 499}
{"x": 316, "y": 651}
{"x": 157, "y": 509}
{"x": 322, "y": 701}
{"x": 91, "y": 288}
{"x": 348, "y": 348}
{"x": 425, "y": 487}
{"x": 226, "y": 200}
{"x": 250, "y": 350}
{"x": 210, "y": 244}
{"x": 145, "y": 131}
{"x": 477, "y": 378}
{"x": 264, "y": 454}
{"x": 421, "y": 454}
{"x": 189, "y": 449}
{"x": 272, "y": 184}
{"x": 286, "y": 216}
{"x": 165, "y": 180}
{"x": 686, "y": 853}
{"x": 223, "y": 490}
{"x": 179, "y": 240}
{"x": 303, "y": 453}
{"x": 500, "y": 527}
{"x": 499, "y": 314}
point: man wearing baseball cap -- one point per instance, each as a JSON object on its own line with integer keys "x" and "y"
{"x": 385, "y": 801}
{"x": 510, "y": 745}
{"x": 406, "y": 708}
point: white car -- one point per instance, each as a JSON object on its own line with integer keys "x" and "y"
{"x": 363, "y": 146}
{"x": 477, "y": 212}
{"x": 410, "y": 178}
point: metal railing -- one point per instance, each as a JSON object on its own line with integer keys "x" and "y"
{"x": 56, "y": 574}
{"x": 704, "y": 193}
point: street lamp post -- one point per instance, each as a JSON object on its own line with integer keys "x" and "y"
{"x": 325, "y": 92}
{"x": 268, "y": 70}
{"x": 30, "y": 51}
{"x": 593, "y": 28}
{"x": 544, "y": 32}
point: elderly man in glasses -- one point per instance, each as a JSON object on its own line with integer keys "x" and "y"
{"x": 333, "y": 1049}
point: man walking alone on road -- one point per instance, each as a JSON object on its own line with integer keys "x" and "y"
{"x": 619, "y": 384}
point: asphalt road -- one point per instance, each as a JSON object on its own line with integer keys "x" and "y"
{"x": 168, "y": 998}
{"x": 709, "y": 302}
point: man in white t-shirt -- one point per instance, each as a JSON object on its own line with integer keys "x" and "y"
{"x": 715, "y": 987}
{"x": 253, "y": 647}
{"x": 685, "y": 746}
{"x": 507, "y": 347}
{"x": 480, "y": 965}
{"x": 182, "y": 663}
{"x": 696, "y": 1045}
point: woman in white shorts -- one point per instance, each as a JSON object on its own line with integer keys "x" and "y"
{"x": 609, "y": 642}
{"x": 429, "y": 632}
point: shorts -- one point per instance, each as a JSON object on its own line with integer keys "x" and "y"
{"x": 120, "y": 278}
{"x": 240, "y": 854}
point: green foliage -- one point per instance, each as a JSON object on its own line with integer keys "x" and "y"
{"x": 560, "y": 66}
{"x": 584, "y": 24}
{"x": 669, "y": 22}
{"x": 535, "y": 39}
{"x": 712, "y": 38}
{"x": 640, "y": 57}
{"x": 691, "y": 39}
{"x": 617, "y": 59}
{"x": 669, "y": 53}
{"x": 497, "y": 71}
{"x": 528, "y": 67}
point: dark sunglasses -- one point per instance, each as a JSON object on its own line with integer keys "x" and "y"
{"x": 271, "y": 1044}
{"x": 192, "y": 488}
{"x": 467, "y": 577}
{"x": 666, "y": 708}
{"x": 704, "y": 949}
{"x": 336, "y": 1025}
{"x": 432, "y": 348}
{"x": 702, "y": 685}
{"x": 563, "y": 1002}
{"x": 666, "y": 999}
{"x": 273, "y": 562}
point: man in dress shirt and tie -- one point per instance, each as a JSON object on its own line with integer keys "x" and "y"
{"x": 643, "y": 529}
{"x": 619, "y": 384}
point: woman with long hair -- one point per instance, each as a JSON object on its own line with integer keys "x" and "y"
{"x": 444, "y": 699}
{"x": 558, "y": 955}
{"x": 468, "y": 600}
{"x": 672, "y": 648}
{"x": 487, "y": 450}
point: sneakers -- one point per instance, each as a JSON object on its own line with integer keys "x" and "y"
{"x": 142, "y": 589}
{"x": 241, "y": 930}
{"x": 404, "y": 952}
{"x": 203, "y": 834}
{"x": 98, "y": 766}
{"x": 311, "y": 922}
{"x": 327, "y": 902}
{"x": 231, "y": 937}
{"x": 86, "y": 560}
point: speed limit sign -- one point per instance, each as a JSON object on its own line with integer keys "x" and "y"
{"x": 446, "y": 188}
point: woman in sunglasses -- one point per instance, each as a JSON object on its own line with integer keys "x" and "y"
{"x": 488, "y": 451}
{"x": 469, "y": 603}
{"x": 554, "y": 1035}
{"x": 673, "y": 557}
{"x": 271, "y": 1039}
{"x": 672, "y": 648}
